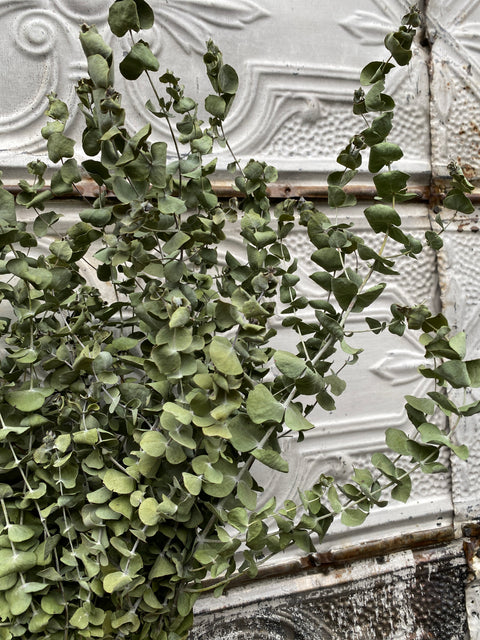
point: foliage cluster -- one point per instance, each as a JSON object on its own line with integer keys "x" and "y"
{"x": 129, "y": 429}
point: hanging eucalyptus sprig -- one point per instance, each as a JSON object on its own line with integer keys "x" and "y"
{"x": 129, "y": 429}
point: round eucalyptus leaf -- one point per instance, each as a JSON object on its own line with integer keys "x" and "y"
{"x": 114, "y": 581}
{"x": 224, "y": 357}
{"x": 153, "y": 443}
{"x": 148, "y": 512}
{"x": 289, "y": 364}
{"x": 20, "y": 532}
{"x": 26, "y": 400}
{"x": 122, "y": 17}
{"x": 80, "y": 618}
{"x": 119, "y": 482}
{"x": 262, "y": 406}
{"x": 18, "y": 599}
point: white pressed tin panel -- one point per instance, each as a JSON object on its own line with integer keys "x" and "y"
{"x": 298, "y": 62}
{"x": 454, "y": 32}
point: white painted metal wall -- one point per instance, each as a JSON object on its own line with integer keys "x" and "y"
{"x": 298, "y": 62}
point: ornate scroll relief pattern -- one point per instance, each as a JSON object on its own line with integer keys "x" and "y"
{"x": 191, "y": 22}
{"x": 307, "y": 114}
{"x": 42, "y": 31}
{"x": 264, "y": 623}
{"x": 286, "y": 112}
{"x": 91, "y": 10}
{"x": 188, "y": 23}
{"x": 369, "y": 28}
{"x": 398, "y": 366}
{"x": 341, "y": 465}
{"x": 286, "y": 92}
{"x": 31, "y": 69}
{"x": 275, "y": 93}
{"x": 453, "y": 29}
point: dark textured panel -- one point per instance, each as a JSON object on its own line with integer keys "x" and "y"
{"x": 438, "y": 600}
{"x": 422, "y": 601}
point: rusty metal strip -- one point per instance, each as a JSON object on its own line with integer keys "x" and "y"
{"x": 338, "y": 557}
{"x": 380, "y": 547}
{"x": 289, "y": 190}
{"x": 281, "y": 190}
{"x": 432, "y": 194}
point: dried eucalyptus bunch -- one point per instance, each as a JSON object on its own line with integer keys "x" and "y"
{"x": 128, "y": 429}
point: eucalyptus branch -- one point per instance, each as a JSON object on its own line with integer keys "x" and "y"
{"x": 145, "y": 419}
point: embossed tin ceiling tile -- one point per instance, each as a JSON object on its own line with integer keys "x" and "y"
{"x": 33, "y": 40}
{"x": 429, "y": 507}
{"x": 460, "y": 288}
{"x": 454, "y": 32}
{"x": 298, "y": 62}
